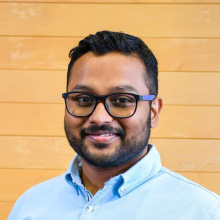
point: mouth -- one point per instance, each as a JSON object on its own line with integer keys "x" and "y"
{"x": 102, "y": 134}
{"x": 102, "y": 137}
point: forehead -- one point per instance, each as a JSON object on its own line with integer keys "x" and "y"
{"x": 103, "y": 73}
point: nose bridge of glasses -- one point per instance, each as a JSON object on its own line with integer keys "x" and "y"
{"x": 100, "y": 113}
{"x": 101, "y": 100}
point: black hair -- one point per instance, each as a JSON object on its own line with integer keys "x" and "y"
{"x": 104, "y": 42}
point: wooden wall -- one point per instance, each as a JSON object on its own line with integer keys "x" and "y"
{"x": 35, "y": 38}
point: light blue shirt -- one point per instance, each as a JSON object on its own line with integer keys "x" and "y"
{"x": 147, "y": 191}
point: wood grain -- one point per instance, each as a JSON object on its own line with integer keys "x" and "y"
{"x": 189, "y": 155}
{"x": 55, "y": 153}
{"x": 35, "y": 152}
{"x": 122, "y": 1}
{"x": 47, "y": 120}
{"x": 173, "y": 54}
{"x": 35, "y": 86}
{"x": 46, "y": 19}
{"x": 176, "y": 88}
{"x": 188, "y": 122}
{"x": 78, "y": 1}
{"x": 35, "y": 40}
{"x": 179, "y": 1}
{"x": 189, "y": 88}
{"x": 15, "y": 182}
{"x": 5, "y": 208}
{"x": 32, "y": 119}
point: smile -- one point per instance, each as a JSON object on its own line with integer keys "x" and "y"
{"x": 102, "y": 137}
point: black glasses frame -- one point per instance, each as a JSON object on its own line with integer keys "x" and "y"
{"x": 103, "y": 99}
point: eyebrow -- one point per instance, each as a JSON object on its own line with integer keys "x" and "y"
{"x": 82, "y": 87}
{"x": 123, "y": 88}
{"x": 112, "y": 90}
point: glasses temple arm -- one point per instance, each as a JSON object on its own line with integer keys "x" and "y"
{"x": 146, "y": 97}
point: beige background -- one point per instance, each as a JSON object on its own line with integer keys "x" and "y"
{"x": 35, "y": 38}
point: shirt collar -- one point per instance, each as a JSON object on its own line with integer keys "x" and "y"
{"x": 140, "y": 172}
{"x": 73, "y": 173}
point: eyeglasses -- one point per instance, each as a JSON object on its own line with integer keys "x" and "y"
{"x": 118, "y": 105}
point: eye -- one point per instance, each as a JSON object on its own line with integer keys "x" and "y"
{"x": 81, "y": 99}
{"x": 123, "y": 100}
{"x": 85, "y": 100}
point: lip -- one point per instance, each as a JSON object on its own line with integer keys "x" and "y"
{"x": 102, "y": 137}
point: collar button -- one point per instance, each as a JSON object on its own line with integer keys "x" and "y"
{"x": 122, "y": 189}
{"x": 89, "y": 209}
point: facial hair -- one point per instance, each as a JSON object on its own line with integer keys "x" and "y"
{"x": 128, "y": 150}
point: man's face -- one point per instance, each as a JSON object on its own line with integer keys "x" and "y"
{"x": 101, "y": 139}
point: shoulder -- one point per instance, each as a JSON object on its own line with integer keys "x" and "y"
{"x": 46, "y": 186}
{"x": 188, "y": 184}
{"x": 192, "y": 193}
{"x": 40, "y": 194}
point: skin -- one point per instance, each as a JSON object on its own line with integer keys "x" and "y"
{"x": 104, "y": 75}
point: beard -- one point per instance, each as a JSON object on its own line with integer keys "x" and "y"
{"x": 128, "y": 150}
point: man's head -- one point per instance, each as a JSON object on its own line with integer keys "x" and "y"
{"x": 105, "y": 42}
{"x": 103, "y": 64}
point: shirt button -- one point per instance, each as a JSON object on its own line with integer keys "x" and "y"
{"x": 90, "y": 209}
{"x": 122, "y": 189}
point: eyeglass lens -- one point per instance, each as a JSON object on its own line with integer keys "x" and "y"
{"x": 119, "y": 105}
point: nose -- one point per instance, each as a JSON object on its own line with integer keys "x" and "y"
{"x": 100, "y": 115}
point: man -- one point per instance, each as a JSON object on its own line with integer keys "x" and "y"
{"x": 111, "y": 105}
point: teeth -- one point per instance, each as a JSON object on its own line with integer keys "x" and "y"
{"x": 102, "y": 135}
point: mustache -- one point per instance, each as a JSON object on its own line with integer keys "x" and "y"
{"x": 119, "y": 131}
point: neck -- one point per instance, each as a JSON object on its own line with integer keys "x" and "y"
{"x": 94, "y": 178}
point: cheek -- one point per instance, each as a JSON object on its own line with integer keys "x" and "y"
{"x": 136, "y": 122}
{"x": 73, "y": 123}
{"x": 131, "y": 125}
{"x": 143, "y": 111}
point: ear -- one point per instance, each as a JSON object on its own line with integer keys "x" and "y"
{"x": 156, "y": 107}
